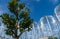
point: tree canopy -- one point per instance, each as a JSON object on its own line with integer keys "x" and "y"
{"x": 19, "y": 19}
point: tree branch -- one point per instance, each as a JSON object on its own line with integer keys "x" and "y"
{"x": 13, "y": 33}
{"x": 22, "y": 33}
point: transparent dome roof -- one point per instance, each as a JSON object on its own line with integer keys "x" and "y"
{"x": 47, "y": 26}
{"x": 57, "y": 12}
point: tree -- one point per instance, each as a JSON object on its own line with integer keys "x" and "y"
{"x": 52, "y": 37}
{"x": 19, "y": 19}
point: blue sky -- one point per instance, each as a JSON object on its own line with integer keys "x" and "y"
{"x": 38, "y": 8}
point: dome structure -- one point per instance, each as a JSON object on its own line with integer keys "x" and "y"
{"x": 57, "y": 11}
{"x": 47, "y": 26}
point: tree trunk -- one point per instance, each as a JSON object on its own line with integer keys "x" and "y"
{"x": 16, "y": 37}
{"x": 16, "y": 31}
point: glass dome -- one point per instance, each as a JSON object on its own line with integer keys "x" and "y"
{"x": 47, "y": 26}
{"x": 57, "y": 12}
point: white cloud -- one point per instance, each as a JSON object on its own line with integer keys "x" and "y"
{"x": 54, "y": 1}
{"x": 31, "y": 0}
{"x": 3, "y": 9}
{"x": 38, "y": 0}
{"x": 1, "y": 12}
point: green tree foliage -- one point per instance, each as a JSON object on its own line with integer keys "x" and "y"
{"x": 52, "y": 37}
{"x": 19, "y": 19}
